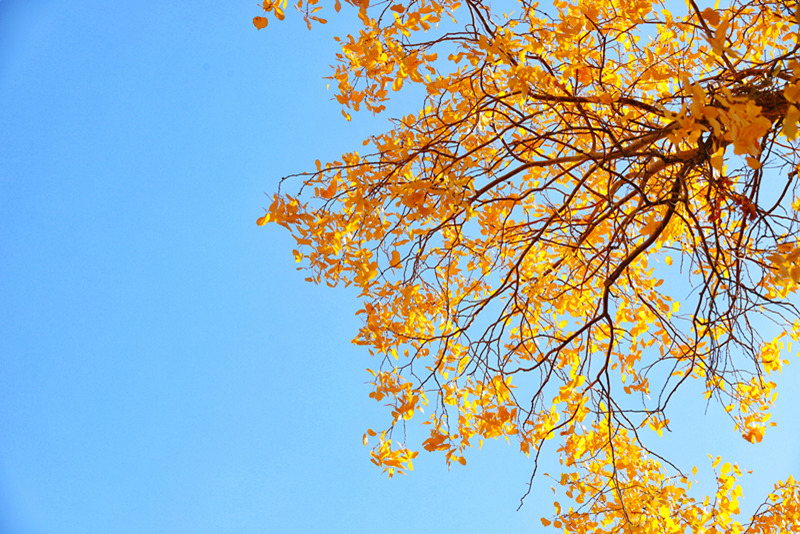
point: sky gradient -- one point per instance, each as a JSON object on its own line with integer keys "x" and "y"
{"x": 165, "y": 369}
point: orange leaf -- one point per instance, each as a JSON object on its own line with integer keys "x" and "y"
{"x": 260, "y": 22}
{"x": 711, "y": 16}
{"x": 330, "y": 191}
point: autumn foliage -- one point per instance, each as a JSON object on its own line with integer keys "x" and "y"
{"x": 595, "y": 205}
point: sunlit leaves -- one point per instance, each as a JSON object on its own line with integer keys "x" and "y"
{"x": 511, "y": 239}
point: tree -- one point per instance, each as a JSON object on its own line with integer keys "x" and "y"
{"x": 512, "y": 239}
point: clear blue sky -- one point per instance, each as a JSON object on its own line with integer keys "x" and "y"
{"x": 163, "y": 367}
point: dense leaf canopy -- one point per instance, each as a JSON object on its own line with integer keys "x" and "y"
{"x": 511, "y": 239}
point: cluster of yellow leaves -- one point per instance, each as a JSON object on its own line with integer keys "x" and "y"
{"x": 781, "y": 512}
{"x": 521, "y": 223}
{"x": 277, "y": 7}
{"x": 786, "y": 263}
{"x": 484, "y": 412}
{"x": 754, "y": 399}
{"x": 620, "y": 488}
{"x": 392, "y": 458}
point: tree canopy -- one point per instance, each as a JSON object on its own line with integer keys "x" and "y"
{"x": 595, "y": 205}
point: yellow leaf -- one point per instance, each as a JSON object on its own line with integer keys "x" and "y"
{"x": 720, "y": 34}
{"x": 718, "y": 158}
{"x": 261, "y": 221}
{"x": 260, "y": 22}
{"x": 790, "y": 123}
{"x": 753, "y": 163}
{"x": 462, "y": 363}
{"x": 651, "y": 227}
{"x": 794, "y": 272}
{"x": 792, "y": 93}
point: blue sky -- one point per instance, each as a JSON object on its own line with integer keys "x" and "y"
{"x": 164, "y": 367}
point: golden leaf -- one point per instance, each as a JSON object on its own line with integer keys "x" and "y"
{"x": 711, "y": 16}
